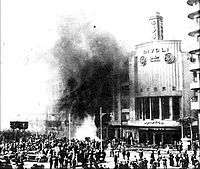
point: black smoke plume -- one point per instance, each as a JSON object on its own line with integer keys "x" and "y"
{"x": 91, "y": 64}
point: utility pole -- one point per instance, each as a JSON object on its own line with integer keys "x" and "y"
{"x": 101, "y": 127}
{"x": 69, "y": 119}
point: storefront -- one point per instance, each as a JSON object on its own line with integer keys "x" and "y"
{"x": 159, "y": 136}
{"x": 157, "y": 132}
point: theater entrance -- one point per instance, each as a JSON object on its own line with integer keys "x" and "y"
{"x": 159, "y": 136}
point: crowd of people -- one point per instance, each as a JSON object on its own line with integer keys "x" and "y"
{"x": 157, "y": 160}
{"x": 64, "y": 153}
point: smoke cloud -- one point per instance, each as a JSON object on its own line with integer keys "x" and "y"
{"x": 90, "y": 63}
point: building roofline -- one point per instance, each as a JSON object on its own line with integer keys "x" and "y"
{"x": 164, "y": 41}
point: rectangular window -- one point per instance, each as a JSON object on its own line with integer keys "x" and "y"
{"x": 138, "y": 107}
{"x": 146, "y": 108}
{"x": 125, "y": 103}
{"x": 155, "y": 107}
{"x": 116, "y": 109}
{"x": 125, "y": 117}
{"x": 125, "y": 90}
{"x": 195, "y": 76}
{"x": 176, "y": 107}
{"x": 165, "y": 107}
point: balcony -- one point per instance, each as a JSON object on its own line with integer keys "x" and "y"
{"x": 196, "y": 52}
{"x": 195, "y": 85}
{"x": 194, "y": 15}
{"x": 195, "y": 105}
{"x": 192, "y": 2}
{"x": 194, "y": 33}
{"x": 194, "y": 66}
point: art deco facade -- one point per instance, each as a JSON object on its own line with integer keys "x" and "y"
{"x": 195, "y": 55}
{"x": 159, "y": 83}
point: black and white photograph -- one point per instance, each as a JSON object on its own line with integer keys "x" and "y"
{"x": 100, "y": 84}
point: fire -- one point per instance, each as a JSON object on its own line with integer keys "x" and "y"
{"x": 87, "y": 129}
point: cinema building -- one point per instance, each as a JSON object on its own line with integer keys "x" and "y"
{"x": 159, "y": 89}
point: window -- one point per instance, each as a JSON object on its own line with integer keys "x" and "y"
{"x": 125, "y": 90}
{"x": 173, "y": 88}
{"x": 165, "y": 107}
{"x": 125, "y": 103}
{"x": 163, "y": 88}
{"x": 146, "y": 108}
{"x": 195, "y": 76}
{"x": 155, "y": 107}
{"x": 176, "y": 107}
{"x": 155, "y": 89}
{"x": 125, "y": 117}
{"x": 138, "y": 107}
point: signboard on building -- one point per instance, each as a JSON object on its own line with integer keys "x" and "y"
{"x": 154, "y": 123}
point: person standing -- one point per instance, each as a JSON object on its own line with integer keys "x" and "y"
{"x": 115, "y": 159}
{"x": 171, "y": 160}
{"x": 177, "y": 160}
{"x": 124, "y": 153}
{"x": 51, "y": 161}
{"x": 164, "y": 163}
{"x": 128, "y": 155}
{"x": 145, "y": 163}
{"x": 154, "y": 165}
{"x": 56, "y": 162}
{"x": 141, "y": 153}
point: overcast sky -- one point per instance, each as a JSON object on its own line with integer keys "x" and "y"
{"x": 29, "y": 32}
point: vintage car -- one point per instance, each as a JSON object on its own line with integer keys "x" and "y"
{"x": 34, "y": 156}
{"x": 36, "y": 166}
{"x": 41, "y": 158}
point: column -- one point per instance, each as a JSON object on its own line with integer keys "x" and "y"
{"x": 116, "y": 133}
{"x": 162, "y": 138}
{"x": 142, "y": 105}
{"x": 147, "y": 138}
{"x": 170, "y": 109}
{"x": 198, "y": 77}
{"x": 119, "y": 107}
{"x": 132, "y": 109}
{"x": 160, "y": 108}
{"x": 150, "y": 108}
{"x": 154, "y": 138}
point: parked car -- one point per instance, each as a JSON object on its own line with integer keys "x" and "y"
{"x": 32, "y": 156}
{"x": 41, "y": 158}
{"x": 36, "y": 166}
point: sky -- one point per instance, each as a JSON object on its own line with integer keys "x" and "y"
{"x": 29, "y": 31}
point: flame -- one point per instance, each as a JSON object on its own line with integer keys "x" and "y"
{"x": 87, "y": 129}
